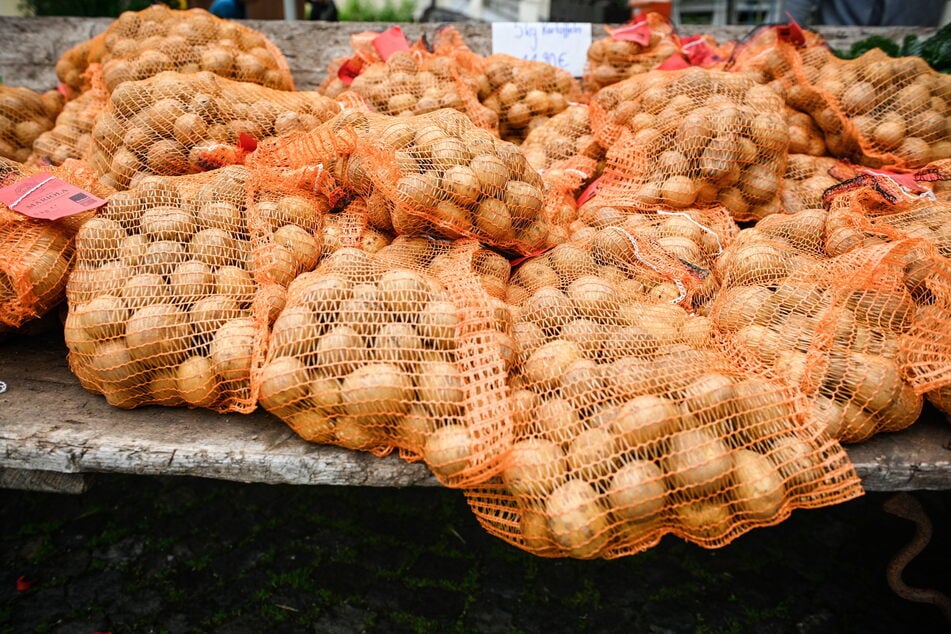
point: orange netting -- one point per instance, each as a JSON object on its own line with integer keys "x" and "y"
{"x": 174, "y": 123}
{"x": 176, "y": 281}
{"x": 24, "y": 116}
{"x": 561, "y": 138}
{"x": 402, "y": 349}
{"x": 37, "y": 255}
{"x": 693, "y": 137}
{"x": 619, "y": 56}
{"x": 416, "y": 82}
{"x": 812, "y": 301}
{"x": 629, "y": 423}
{"x": 71, "y": 136}
{"x": 805, "y": 181}
{"x": 446, "y": 177}
{"x": 139, "y": 45}
{"x": 875, "y": 110}
{"x": 523, "y": 94}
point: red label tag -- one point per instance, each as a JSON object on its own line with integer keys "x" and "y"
{"x": 639, "y": 33}
{"x": 349, "y": 71}
{"x": 390, "y": 41}
{"x": 674, "y": 62}
{"x": 589, "y": 191}
{"x": 47, "y": 197}
{"x": 698, "y": 52}
{"x": 791, "y": 32}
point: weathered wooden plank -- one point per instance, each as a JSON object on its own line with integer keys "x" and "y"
{"x": 48, "y": 422}
{"x": 308, "y": 46}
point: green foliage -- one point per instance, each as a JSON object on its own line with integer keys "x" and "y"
{"x": 85, "y": 8}
{"x": 368, "y": 11}
{"x": 936, "y": 50}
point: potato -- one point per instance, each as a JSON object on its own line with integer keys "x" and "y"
{"x": 697, "y": 462}
{"x": 113, "y": 367}
{"x": 232, "y": 347}
{"x": 549, "y": 363}
{"x": 102, "y": 318}
{"x": 576, "y": 519}
{"x": 339, "y": 351}
{"x": 644, "y": 421}
{"x": 704, "y": 519}
{"x": 284, "y": 383}
{"x": 448, "y": 450}
{"x": 158, "y": 335}
{"x": 440, "y": 387}
{"x": 593, "y": 455}
{"x": 637, "y": 491}
{"x": 377, "y": 394}
{"x": 534, "y": 468}
{"x": 558, "y": 420}
{"x": 196, "y": 381}
{"x": 759, "y": 491}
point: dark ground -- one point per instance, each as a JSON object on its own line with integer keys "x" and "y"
{"x": 138, "y": 554}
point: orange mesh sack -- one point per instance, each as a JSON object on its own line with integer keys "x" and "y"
{"x": 875, "y": 110}
{"x": 37, "y": 255}
{"x": 139, "y": 45}
{"x": 402, "y": 349}
{"x": 417, "y": 82}
{"x": 673, "y": 252}
{"x": 561, "y": 138}
{"x": 832, "y": 326}
{"x": 445, "y": 177}
{"x": 523, "y": 94}
{"x": 870, "y": 210}
{"x": 619, "y": 56}
{"x": 629, "y": 424}
{"x": 692, "y": 137}
{"x": 72, "y": 65}
{"x": 176, "y": 281}
{"x": 806, "y": 180}
{"x": 173, "y": 124}
{"x": 71, "y": 136}
{"x": 24, "y": 116}
{"x": 351, "y": 229}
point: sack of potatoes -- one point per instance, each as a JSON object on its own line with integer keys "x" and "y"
{"x": 71, "y": 134}
{"x": 561, "y": 138}
{"x": 693, "y": 137}
{"x": 36, "y": 255}
{"x": 24, "y": 116}
{"x": 805, "y": 181}
{"x": 400, "y": 349}
{"x": 840, "y": 328}
{"x": 615, "y": 58}
{"x": 448, "y": 178}
{"x": 175, "y": 123}
{"x": 176, "y": 282}
{"x": 630, "y": 423}
{"x": 671, "y": 253}
{"x": 874, "y": 110}
{"x": 416, "y": 82}
{"x": 141, "y": 44}
{"x": 523, "y": 94}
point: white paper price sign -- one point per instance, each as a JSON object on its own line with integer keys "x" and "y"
{"x": 561, "y": 44}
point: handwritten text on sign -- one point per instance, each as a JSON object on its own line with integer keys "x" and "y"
{"x": 561, "y": 44}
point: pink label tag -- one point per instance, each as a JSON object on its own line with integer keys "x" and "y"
{"x": 674, "y": 62}
{"x": 47, "y": 197}
{"x": 639, "y": 33}
{"x": 390, "y": 41}
{"x": 349, "y": 71}
{"x": 589, "y": 191}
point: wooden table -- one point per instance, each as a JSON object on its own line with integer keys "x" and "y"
{"x": 54, "y": 434}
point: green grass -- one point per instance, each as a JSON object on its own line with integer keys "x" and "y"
{"x": 367, "y": 11}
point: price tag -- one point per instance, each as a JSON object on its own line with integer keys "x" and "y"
{"x": 47, "y": 197}
{"x": 561, "y": 44}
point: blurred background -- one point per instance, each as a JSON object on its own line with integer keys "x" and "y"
{"x": 715, "y": 12}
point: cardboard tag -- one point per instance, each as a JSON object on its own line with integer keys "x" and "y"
{"x": 390, "y": 41}
{"x": 46, "y": 197}
{"x": 560, "y": 44}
